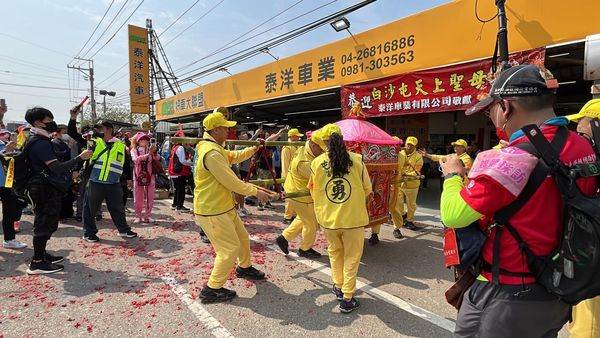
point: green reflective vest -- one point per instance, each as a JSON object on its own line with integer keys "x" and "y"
{"x": 108, "y": 167}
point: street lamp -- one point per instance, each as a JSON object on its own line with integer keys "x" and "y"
{"x": 104, "y": 93}
{"x": 342, "y": 24}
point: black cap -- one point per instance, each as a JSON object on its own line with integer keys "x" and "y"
{"x": 107, "y": 124}
{"x": 522, "y": 80}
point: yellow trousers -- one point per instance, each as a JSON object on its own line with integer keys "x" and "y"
{"x": 229, "y": 238}
{"x": 345, "y": 250}
{"x": 408, "y": 196}
{"x": 305, "y": 223}
{"x": 586, "y": 319}
{"x": 289, "y": 211}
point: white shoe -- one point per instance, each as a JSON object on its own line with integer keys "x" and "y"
{"x": 14, "y": 244}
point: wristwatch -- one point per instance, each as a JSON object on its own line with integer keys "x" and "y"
{"x": 450, "y": 175}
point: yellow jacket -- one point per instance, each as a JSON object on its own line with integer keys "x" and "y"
{"x": 214, "y": 178}
{"x": 299, "y": 173}
{"x": 287, "y": 154}
{"x": 409, "y": 167}
{"x": 465, "y": 158}
{"x": 340, "y": 202}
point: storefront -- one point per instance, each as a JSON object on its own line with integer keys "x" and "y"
{"x": 446, "y": 48}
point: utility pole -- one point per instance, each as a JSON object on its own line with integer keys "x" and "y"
{"x": 89, "y": 72}
{"x": 502, "y": 39}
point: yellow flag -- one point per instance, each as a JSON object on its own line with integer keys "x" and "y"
{"x": 10, "y": 173}
{"x": 21, "y": 138}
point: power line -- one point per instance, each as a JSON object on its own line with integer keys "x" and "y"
{"x": 31, "y": 64}
{"x": 241, "y": 36}
{"x": 118, "y": 29}
{"x": 106, "y": 29}
{"x": 202, "y": 16}
{"x": 31, "y": 74}
{"x": 273, "y": 42}
{"x": 179, "y": 17}
{"x": 36, "y": 95}
{"x": 41, "y": 87}
{"x": 220, "y": 50}
{"x": 34, "y": 44}
{"x": 195, "y": 22}
{"x": 95, "y": 29}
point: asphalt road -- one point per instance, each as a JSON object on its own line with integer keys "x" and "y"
{"x": 149, "y": 286}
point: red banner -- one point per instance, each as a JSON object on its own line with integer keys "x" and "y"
{"x": 434, "y": 90}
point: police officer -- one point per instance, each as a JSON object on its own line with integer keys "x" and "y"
{"x": 340, "y": 186}
{"x": 107, "y": 161}
{"x": 287, "y": 153}
{"x": 296, "y": 180}
{"x": 214, "y": 207}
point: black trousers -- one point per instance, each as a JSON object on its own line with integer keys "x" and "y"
{"x": 94, "y": 195}
{"x": 9, "y": 212}
{"x": 179, "y": 191}
{"x": 46, "y": 209}
{"x": 490, "y": 310}
{"x": 66, "y": 205}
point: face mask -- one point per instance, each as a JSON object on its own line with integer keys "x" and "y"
{"x": 51, "y": 127}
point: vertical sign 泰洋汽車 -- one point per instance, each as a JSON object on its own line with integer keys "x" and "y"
{"x": 139, "y": 75}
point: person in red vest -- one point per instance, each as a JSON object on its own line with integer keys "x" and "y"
{"x": 180, "y": 168}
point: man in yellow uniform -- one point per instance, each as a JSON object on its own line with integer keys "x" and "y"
{"x": 297, "y": 180}
{"x": 287, "y": 153}
{"x": 586, "y": 315}
{"x": 410, "y": 163}
{"x": 460, "y": 148}
{"x": 340, "y": 186}
{"x": 214, "y": 207}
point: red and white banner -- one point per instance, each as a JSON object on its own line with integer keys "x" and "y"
{"x": 434, "y": 90}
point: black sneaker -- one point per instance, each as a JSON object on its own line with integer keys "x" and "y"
{"x": 283, "y": 244}
{"x": 54, "y": 259}
{"x": 310, "y": 253}
{"x": 268, "y": 205}
{"x": 339, "y": 295}
{"x": 398, "y": 234}
{"x": 288, "y": 220}
{"x": 173, "y": 207}
{"x": 347, "y": 306}
{"x": 43, "y": 267}
{"x": 128, "y": 234}
{"x": 183, "y": 209}
{"x": 78, "y": 219}
{"x": 249, "y": 273}
{"x": 209, "y": 295}
{"x": 411, "y": 226}
{"x": 374, "y": 240}
{"x": 91, "y": 238}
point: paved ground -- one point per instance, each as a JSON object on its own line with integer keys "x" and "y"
{"x": 149, "y": 286}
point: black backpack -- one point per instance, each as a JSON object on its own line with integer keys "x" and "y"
{"x": 22, "y": 169}
{"x": 572, "y": 270}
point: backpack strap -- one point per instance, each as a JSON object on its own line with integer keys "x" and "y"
{"x": 595, "y": 124}
{"x": 536, "y": 178}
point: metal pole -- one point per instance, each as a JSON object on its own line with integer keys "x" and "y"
{"x": 502, "y": 35}
{"x": 93, "y": 101}
{"x": 103, "y": 105}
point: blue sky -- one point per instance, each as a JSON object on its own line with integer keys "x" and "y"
{"x": 55, "y": 30}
